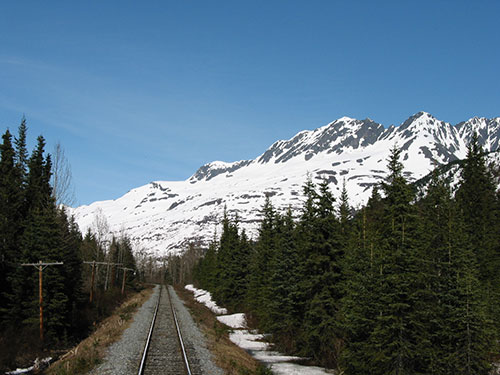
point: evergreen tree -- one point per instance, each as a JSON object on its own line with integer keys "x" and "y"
{"x": 322, "y": 279}
{"x": 21, "y": 150}
{"x": 70, "y": 255}
{"x": 205, "y": 271}
{"x": 393, "y": 333}
{"x": 33, "y": 229}
{"x": 344, "y": 208}
{"x": 477, "y": 199}
{"x": 41, "y": 241}
{"x": 38, "y": 179}
{"x": 284, "y": 309}
{"x": 345, "y": 217}
{"x": 11, "y": 200}
{"x": 241, "y": 260}
{"x": 44, "y": 238}
{"x": 261, "y": 265}
{"x": 432, "y": 299}
{"x": 305, "y": 232}
{"x": 225, "y": 292}
{"x": 127, "y": 259}
{"x": 449, "y": 313}
{"x": 114, "y": 255}
{"x": 361, "y": 266}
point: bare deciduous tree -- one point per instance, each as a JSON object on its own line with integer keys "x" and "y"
{"x": 62, "y": 178}
{"x": 100, "y": 228}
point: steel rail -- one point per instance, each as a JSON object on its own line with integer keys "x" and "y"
{"x": 186, "y": 362}
{"x": 148, "y": 340}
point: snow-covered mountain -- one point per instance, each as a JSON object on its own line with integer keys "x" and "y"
{"x": 162, "y": 217}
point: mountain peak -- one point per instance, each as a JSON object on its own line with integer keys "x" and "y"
{"x": 345, "y": 119}
{"x": 423, "y": 114}
{"x": 338, "y": 136}
{"x": 215, "y": 168}
{"x": 422, "y": 121}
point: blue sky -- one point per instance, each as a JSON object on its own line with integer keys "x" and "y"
{"x": 144, "y": 91}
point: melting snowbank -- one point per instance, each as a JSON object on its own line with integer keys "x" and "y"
{"x": 249, "y": 340}
{"x": 205, "y": 297}
{"x": 234, "y": 321}
{"x": 39, "y": 364}
{"x": 254, "y": 342}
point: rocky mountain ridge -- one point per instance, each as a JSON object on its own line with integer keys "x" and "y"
{"x": 164, "y": 216}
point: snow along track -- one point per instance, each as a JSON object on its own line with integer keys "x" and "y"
{"x": 164, "y": 351}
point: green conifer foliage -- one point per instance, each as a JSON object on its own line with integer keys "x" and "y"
{"x": 477, "y": 198}
{"x": 33, "y": 229}
{"x": 478, "y": 201}
{"x": 21, "y": 150}
{"x": 262, "y": 264}
{"x": 393, "y": 333}
{"x": 38, "y": 179}
{"x": 285, "y": 307}
{"x": 434, "y": 279}
{"x": 11, "y": 201}
{"x": 205, "y": 271}
{"x": 344, "y": 214}
{"x": 362, "y": 264}
{"x": 227, "y": 268}
{"x": 398, "y": 287}
{"x": 70, "y": 255}
{"x": 322, "y": 278}
{"x": 114, "y": 256}
{"x": 465, "y": 331}
{"x": 241, "y": 261}
{"x": 452, "y": 329}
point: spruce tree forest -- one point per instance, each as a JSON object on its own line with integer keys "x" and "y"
{"x": 407, "y": 284}
{"x": 34, "y": 228}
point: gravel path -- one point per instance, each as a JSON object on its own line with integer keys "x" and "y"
{"x": 123, "y": 356}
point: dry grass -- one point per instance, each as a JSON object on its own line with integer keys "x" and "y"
{"x": 90, "y": 351}
{"x": 228, "y": 356}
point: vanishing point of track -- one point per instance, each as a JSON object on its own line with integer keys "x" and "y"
{"x": 164, "y": 351}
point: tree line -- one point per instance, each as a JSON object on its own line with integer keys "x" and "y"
{"x": 33, "y": 228}
{"x": 407, "y": 284}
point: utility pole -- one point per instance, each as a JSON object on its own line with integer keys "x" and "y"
{"x": 124, "y": 275}
{"x": 41, "y": 265}
{"x": 91, "y": 280}
{"x": 93, "y": 263}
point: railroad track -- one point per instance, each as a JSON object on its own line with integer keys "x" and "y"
{"x": 165, "y": 352}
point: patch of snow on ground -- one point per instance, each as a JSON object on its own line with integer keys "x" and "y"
{"x": 38, "y": 365}
{"x": 277, "y": 362}
{"x": 269, "y": 356}
{"x": 248, "y": 340}
{"x": 293, "y": 369}
{"x": 234, "y": 321}
{"x": 205, "y": 298}
{"x": 253, "y": 342}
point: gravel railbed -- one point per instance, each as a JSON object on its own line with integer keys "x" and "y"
{"x": 123, "y": 356}
{"x": 193, "y": 338}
